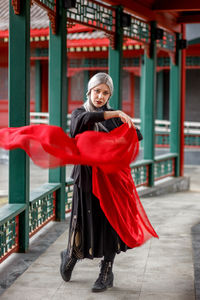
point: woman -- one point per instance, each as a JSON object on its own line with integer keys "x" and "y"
{"x": 90, "y": 233}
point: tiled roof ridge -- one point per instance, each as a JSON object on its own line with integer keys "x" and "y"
{"x": 39, "y": 18}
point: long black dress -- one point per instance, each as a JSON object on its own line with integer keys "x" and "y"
{"x": 90, "y": 233}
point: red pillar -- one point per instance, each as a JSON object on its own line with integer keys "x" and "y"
{"x": 132, "y": 94}
{"x": 44, "y": 86}
{"x": 183, "y": 63}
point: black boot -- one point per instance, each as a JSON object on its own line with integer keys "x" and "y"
{"x": 105, "y": 279}
{"x": 67, "y": 265}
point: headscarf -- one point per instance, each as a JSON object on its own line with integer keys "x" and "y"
{"x": 97, "y": 79}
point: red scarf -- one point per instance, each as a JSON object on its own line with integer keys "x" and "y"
{"x": 110, "y": 155}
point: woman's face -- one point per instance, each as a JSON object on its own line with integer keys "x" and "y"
{"x": 100, "y": 95}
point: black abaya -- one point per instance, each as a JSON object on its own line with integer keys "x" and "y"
{"x": 90, "y": 233}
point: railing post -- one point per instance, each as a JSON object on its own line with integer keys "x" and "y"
{"x": 115, "y": 61}
{"x": 174, "y": 93}
{"x": 19, "y": 110}
{"x": 147, "y": 101}
{"x": 58, "y": 97}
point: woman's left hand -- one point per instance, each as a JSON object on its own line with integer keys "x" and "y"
{"x": 125, "y": 119}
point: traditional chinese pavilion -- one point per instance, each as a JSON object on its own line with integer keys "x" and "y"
{"x": 50, "y": 51}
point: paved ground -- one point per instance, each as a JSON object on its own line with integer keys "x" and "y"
{"x": 159, "y": 270}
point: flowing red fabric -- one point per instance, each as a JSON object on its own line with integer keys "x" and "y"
{"x": 108, "y": 153}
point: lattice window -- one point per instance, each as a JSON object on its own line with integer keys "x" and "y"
{"x": 164, "y": 168}
{"x": 192, "y": 140}
{"x": 50, "y": 4}
{"x": 8, "y": 236}
{"x": 41, "y": 211}
{"x": 193, "y": 61}
{"x": 163, "y": 61}
{"x": 140, "y": 175}
{"x": 162, "y": 139}
{"x": 138, "y": 30}
{"x": 94, "y": 14}
{"x": 168, "y": 42}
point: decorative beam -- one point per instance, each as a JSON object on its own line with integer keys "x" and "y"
{"x": 16, "y": 6}
{"x": 52, "y": 9}
{"x": 134, "y": 7}
{"x": 176, "y": 5}
{"x": 189, "y": 18}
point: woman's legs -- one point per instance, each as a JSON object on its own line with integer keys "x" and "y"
{"x": 67, "y": 265}
{"x": 105, "y": 279}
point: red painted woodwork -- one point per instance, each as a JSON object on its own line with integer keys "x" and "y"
{"x": 132, "y": 94}
{"x": 44, "y": 86}
{"x": 189, "y": 19}
{"x": 16, "y": 6}
{"x": 176, "y": 5}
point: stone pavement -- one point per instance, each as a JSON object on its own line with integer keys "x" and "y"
{"x": 159, "y": 270}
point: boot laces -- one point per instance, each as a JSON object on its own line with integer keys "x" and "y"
{"x": 105, "y": 266}
{"x": 70, "y": 263}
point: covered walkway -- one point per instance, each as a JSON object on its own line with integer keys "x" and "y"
{"x": 161, "y": 269}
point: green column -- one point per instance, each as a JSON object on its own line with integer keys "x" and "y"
{"x": 147, "y": 90}
{"x": 37, "y": 86}
{"x": 174, "y": 109}
{"x": 160, "y": 95}
{"x": 115, "y": 62}
{"x": 19, "y": 110}
{"x": 86, "y": 79}
{"x": 58, "y": 98}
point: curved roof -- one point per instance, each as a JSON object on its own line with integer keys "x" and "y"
{"x": 39, "y": 18}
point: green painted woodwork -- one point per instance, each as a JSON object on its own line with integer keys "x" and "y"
{"x": 9, "y": 211}
{"x": 19, "y": 110}
{"x": 115, "y": 62}
{"x": 8, "y": 227}
{"x": 86, "y": 79}
{"x": 42, "y": 205}
{"x": 194, "y": 41}
{"x": 164, "y": 165}
{"x": 168, "y": 41}
{"x": 138, "y": 30}
{"x": 162, "y": 157}
{"x": 192, "y": 140}
{"x": 192, "y": 61}
{"x": 147, "y": 98}
{"x": 102, "y": 62}
{"x": 160, "y": 95}
{"x": 43, "y": 191}
{"x": 50, "y": 4}
{"x": 174, "y": 95}
{"x": 161, "y": 138}
{"x": 38, "y": 86}
{"x": 140, "y": 172}
{"x": 8, "y": 237}
{"x": 163, "y": 61}
{"x": 100, "y": 16}
{"x": 41, "y": 211}
{"x": 58, "y": 99}
{"x": 163, "y": 168}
